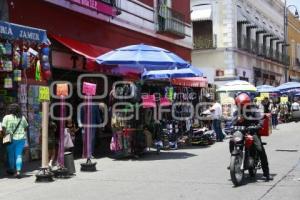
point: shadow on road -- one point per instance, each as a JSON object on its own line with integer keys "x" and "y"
{"x": 258, "y": 178}
{"x": 164, "y": 155}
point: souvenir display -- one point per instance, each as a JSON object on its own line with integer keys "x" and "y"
{"x": 17, "y": 75}
{"x": 20, "y": 71}
{"x": 34, "y": 116}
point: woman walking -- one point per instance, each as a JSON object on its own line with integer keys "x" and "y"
{"x": 15, "y": 124}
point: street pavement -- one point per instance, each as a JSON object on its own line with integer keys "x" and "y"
{"x": 190, "y": 173}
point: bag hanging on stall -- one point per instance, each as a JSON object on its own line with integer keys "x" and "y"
{"x": 8, "y": 65}
{"x": 38, "y": 71}
{"x": 8, "y": 83}
{"x": 8, "y": 138}
{"x": 2, "y": 49}
{"x": 8, "y": 48}
{"x": 17, "y": 75}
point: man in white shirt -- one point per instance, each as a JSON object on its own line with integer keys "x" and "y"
{"x": 295, "y": 106}
{"x": 216, "y": 111}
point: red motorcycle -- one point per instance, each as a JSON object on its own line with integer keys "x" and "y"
{"x": 244, "y": 155}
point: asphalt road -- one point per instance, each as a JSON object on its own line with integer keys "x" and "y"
{"x": 193, "y": 173}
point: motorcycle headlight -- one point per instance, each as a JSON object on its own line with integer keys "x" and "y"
{"x": 238, "y": 136}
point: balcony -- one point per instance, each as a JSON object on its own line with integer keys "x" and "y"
{"x": 202, "y": 42}
{"x": 254, "y": 47}
{"x": 285, "y": 59}
{"x": 171, "y": 22}
{"x": 244, "y": 43}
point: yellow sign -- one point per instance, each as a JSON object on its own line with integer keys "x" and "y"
{"x": 284, "y": 99}
{"x": 259, "y": 99}
{"x": 264, "y": 95}
{"x": 44, "y": 93}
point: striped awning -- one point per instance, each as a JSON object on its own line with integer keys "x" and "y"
{"x": 202, "y": 13}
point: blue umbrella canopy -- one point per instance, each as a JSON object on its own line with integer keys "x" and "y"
{"x": 289, "y": 87}
{"x": 267, "y": 89}
{"x": 143, "y": 56}
{"x": 297, "y": 95}
{"x": 176, "y": 73}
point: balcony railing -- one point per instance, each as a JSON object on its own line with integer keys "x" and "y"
{"x": 285, "y": 59}
{"x": 201, "y": 42}
{"x": 261, "y": 50}
{"x": 253, "y": 47}
{"x": 171, "y": 22}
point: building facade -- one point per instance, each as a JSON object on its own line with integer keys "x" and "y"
{"x": 294, "y": 48}
{"x": 239, "y": 39}
{"x": 111, "y": 23}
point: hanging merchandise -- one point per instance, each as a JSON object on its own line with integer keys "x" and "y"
{"x": 16, "y": 57}
{"x": 25, "y": 60}
{"x": 17, "y": 75}
{"x": 47, "y": 75}
{"x": 8, "y": 48}
{"x": 1, "y": 64}
{"x": 170, "y": 93}
{"x": 38, "y": 71}
{"x": 2, "y": 49}
{"x": 8, "y": 65}
{"x": 8, "y": 82}
{"x": 45, "y": 58}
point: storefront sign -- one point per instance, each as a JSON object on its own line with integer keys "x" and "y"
{"x": 18, "y": 32}
{"x": 264, "y": 95}
{"x": 62, "y": 90}
{"x": 89, "y": 89}
{"x": 284, "y": 100}
{"x": 97, "y": 6}
{"x": 44, "y": 93}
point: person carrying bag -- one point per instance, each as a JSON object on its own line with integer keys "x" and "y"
{"x": 14, "y": 127}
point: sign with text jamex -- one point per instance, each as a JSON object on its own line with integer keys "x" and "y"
{"x": 89, "y": 89}
{"x": 62, "y": 89}
{"x": 44, "y": 93}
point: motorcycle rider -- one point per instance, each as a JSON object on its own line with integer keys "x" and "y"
{"x": 248, "y": 115}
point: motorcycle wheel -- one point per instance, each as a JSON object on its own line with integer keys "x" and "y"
{"x": 237, "y": 175}
{"x": 252, "y": 172}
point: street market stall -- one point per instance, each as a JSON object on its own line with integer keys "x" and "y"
{"x": 24, "y": 67}
{"x": 127, "y": 137}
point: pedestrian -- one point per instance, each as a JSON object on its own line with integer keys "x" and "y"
{"x": 274, "y": 112}
{"x": 52, "y": 142}
{"x": 295, "y": 106}
{"x": 15, "y": 124}
{"x": 266, "y": 104}
{"x": 216, "y": 111}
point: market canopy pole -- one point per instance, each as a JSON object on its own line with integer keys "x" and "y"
{"x": 44, "y": 175}
{"x": 62, "y": 92}
{"x": 88, "y": 89}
